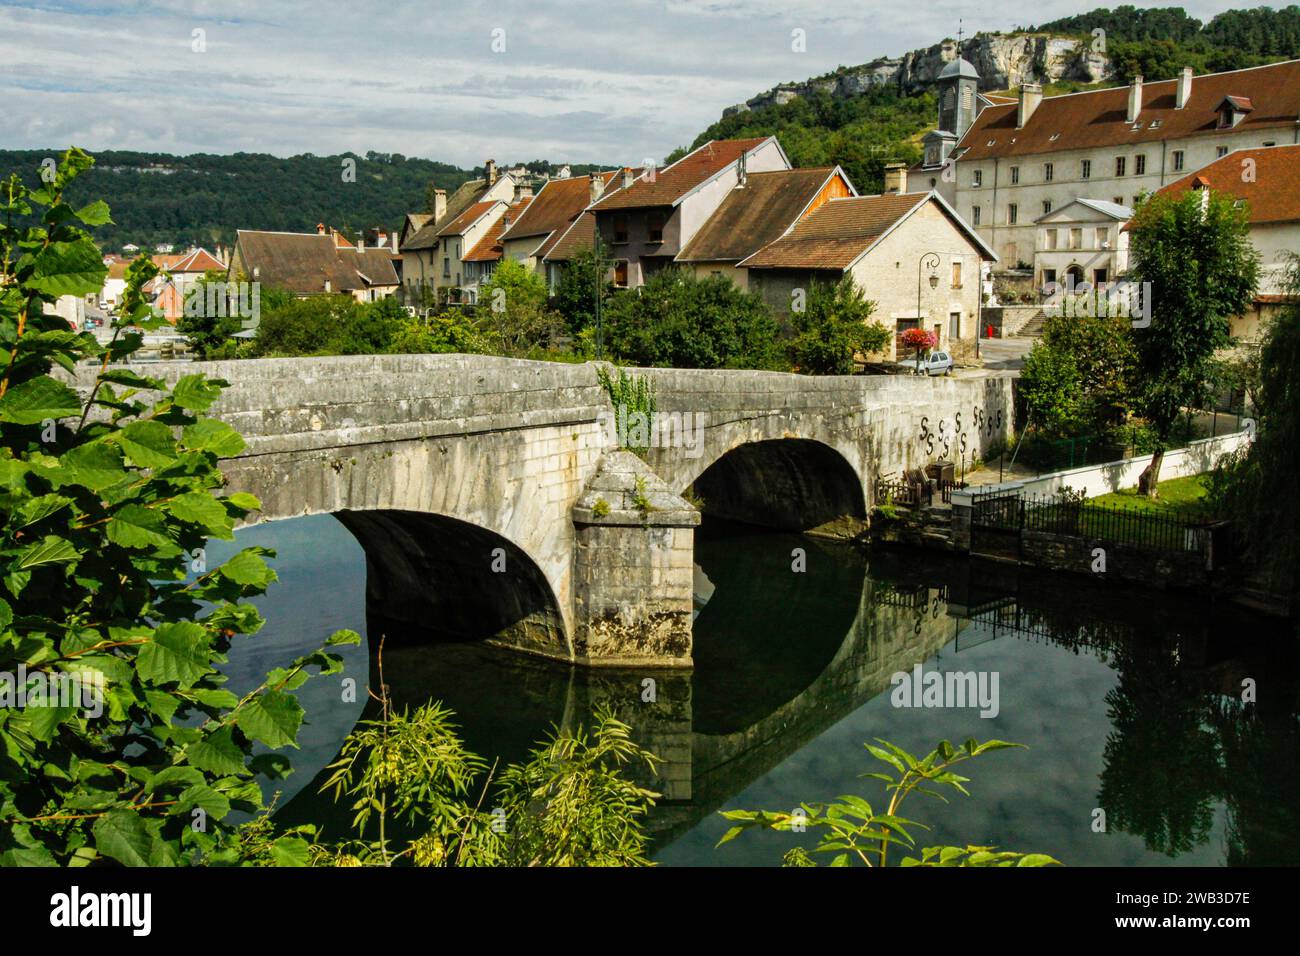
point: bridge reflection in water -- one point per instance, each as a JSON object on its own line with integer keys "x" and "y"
{"x": 782, "y": 656}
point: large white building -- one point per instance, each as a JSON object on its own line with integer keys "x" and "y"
{"x": 1004, "y": 165}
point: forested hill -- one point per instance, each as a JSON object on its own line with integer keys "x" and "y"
{"x": 203, "y": 198}
{"x": 851, "y": 118}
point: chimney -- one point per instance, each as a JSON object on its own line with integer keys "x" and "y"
{"x": 742, "y": 174}
{"x": 524, "y": 192}
{"x": 439, "y": 204}
{"x": 629, "y": 177}
{"x": 394, "y": 237}
{"x": 1184, "y": 87}
{"x": 320, "y": 228}
{"x": 1135, "y": 99}
{"x": 895, "y": 178}
{"x": 597, "y": 183}
{"x": 1031, "y": 94}
{"x": 490, "y": 171}
{"x": 361, "y": 244}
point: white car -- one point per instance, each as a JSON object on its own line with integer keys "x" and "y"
{"x": 935, "y": 363}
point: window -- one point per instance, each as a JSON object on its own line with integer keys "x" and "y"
{"x": 620, "y": 229}
{"x": 1048, "y": 172}
{"x": 1076, "y": 238}
{"x": 1103, "y": 234}
{"x": 1013, "y": 213}
{"x": 956, "y": 274}
{"x": 1117, "y": 200}
{"x": 954, "y": 325}
{"x": 975, "y": 215}
{"x": 1098, "y": 276}
{"x": 1015, "y": 175}
{"x": 1139, "y": 164}
{"x": 1270, "y": 142}
{"x": 1047, "y": 206}
{"x": 446, "y": 267}
{"x": 1049, "y": 239}
{"x": 977, "y": 178}
{"x": 1049, "y": 276}
{"x": 655, "y": 226}
{"x": 1085, "y": 169}
{"x": 1179, "y": 158}
{"x": 620, "y": 273}
{"x": 1121, "y": 164}
{"x": 1221, "y": 152}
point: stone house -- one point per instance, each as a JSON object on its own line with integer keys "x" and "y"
{"x": 1084, "y": 241}
{"x": 1016, "y": 162}
{"x": 308, "y": 264}
{"x": 912, "y": 255}
{"x": 650, "y": 217}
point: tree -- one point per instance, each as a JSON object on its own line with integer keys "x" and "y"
{"x": 1078, "y": 378}
{"x": 1197, "y": 268}
{"x": 833, "y": 328}
{"x": 1050, "y": 387}
{"x": 575, "y": 294}
{"x": 513, "y": 302}
{"x": 682, "y": 321}
{"x": 328, "y": 325}
{"x": 124, "y": 746}
{"x": 207, "y": 331}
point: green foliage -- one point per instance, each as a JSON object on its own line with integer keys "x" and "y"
{"x": 1202, "y": 270}
{"x": 328, "y": 325}
{"x": 108, "y": 501}
{"x": 833, "y": 328}
{"x": 569, "y": 804}
{"x": 452, "y": 330}
{"x": 513, "y": 305}
{"x": 1078, "y": 379}
{"x": 680, "y": 321}
{"x": 631, "y": 395}
{"x": 856, "y": 833}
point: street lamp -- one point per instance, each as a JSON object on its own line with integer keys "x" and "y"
{"x": 931, "y": 261}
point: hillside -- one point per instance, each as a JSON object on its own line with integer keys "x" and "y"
{"x": 202, "y": 199}
{"x": 865, "y": 116}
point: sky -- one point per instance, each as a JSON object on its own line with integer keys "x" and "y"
{"x": 563, "y": 80}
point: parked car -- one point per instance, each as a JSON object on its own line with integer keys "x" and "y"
{"x": 935, "y": 363}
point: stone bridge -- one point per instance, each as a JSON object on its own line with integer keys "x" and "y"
{"x": 491, "y": 504}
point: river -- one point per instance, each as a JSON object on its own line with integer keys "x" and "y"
{"x": 1139, "y": 749}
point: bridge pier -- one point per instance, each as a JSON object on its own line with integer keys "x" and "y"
{"x": 634, "y": 545}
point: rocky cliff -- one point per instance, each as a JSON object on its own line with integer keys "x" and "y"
{"x": 1002, "y": 60}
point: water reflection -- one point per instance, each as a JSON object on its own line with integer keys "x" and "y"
{"x": 1130, "y": 702}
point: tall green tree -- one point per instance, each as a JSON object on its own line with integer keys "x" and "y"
{"x": 833, "y": 327}
{"x": 512, "y": 304}
{"x": 1194, "y": 260}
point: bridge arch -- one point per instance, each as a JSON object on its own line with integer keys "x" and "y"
{"x": 793, "y": 484}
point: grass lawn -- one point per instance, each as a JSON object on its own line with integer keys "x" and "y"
{"x": 1175, "y": 495}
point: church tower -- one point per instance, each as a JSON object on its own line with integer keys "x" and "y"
{"x": 958, "y": 87}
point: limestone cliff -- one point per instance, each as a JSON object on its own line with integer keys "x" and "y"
{"x": 1003, "y": 60}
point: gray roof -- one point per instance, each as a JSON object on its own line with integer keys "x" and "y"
{"x": 959, "y": 67}
{"x": 1113, "y": 210}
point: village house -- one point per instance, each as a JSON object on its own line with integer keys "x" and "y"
{"x": 647, "y": 219}
{"x": 168, "y": 291}
{"x": 553, "y": 212}
{"x": 911, "y": 255}
{"x": 428, "y": 263}
{"x": 481, "y": 260}
{"x": 759, "y": 208}
{"x": 1005, "y": 166}
{"x": 1266, "y": 180}
{"x": 308, "y": 264}
{"x": 1084, "y": 241}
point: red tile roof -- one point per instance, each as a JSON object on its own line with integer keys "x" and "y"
{"x": 673, "y": 182}
{"x": 754, "y": 215}
{"x": 563, "y": 244}
{"x": 836, "y": 233}
{"x": 1099, "y": 117}
{"x": 490, "y": 248}
{"x": 200, "y": 260}
{"x": 556, "y": 205}
{"x": 1272, "y": 191}
{"x": 466, "y": 219}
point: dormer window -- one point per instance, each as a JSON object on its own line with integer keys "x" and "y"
{"x": 1232, "y": 110}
